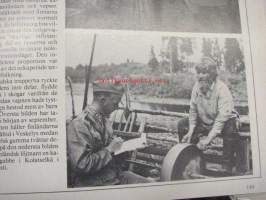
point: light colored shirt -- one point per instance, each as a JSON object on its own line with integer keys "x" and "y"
{"x": 213, "y": 109}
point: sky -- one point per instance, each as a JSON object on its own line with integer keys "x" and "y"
{"x": 117, "y": 47}
{"x": 110, "y": 48}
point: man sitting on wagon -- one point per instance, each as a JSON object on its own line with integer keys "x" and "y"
{"x": 211, "y": 113}
{"x": 91, "y": 143}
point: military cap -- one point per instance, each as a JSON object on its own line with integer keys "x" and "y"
{"x": 108, "y": 87}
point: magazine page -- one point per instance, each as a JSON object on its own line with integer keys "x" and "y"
{"x": 32, "y": 137}
{"x": 139, "y": 99}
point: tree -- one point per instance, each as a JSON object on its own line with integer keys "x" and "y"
{"x": 186, "y": 46}
{"x": 207, "y": 47}
{"x": 234, "y": 58}
{"x": 217, "y": 53}
{"x": 80, "y": 72}
{"x": 153, "y": 62}
{"x": 173, "y": 54}
{"x": 69, "y": 72}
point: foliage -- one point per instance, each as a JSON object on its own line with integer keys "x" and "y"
{"x": 207, "y": 47}
{"x": 234, "y": 59}
{"x": 173, "y": 54}
{"x": 77, "y": 75}
{"x": 176, "y": 72}
{"x": 176, "y": 85}
{"x": 153, "y": 62}
{"x": 217, "y": 53}
{"x": 186, "y": 46}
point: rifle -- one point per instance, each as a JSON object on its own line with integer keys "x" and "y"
{"x": 87, "y": 74}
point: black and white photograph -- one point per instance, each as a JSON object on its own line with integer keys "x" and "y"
{"x": 149, "y": 108}
{"x": 210, "y": 16}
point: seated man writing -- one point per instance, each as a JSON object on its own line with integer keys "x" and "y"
{"x": 211, "y": 113}
{"x": 91, "y": 143}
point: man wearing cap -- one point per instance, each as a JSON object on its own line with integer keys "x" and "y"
{"x": 91, "y": 143}
{"x": 211, "y": 113}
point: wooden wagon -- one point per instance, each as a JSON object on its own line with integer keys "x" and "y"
{"x": 164, "y": 158}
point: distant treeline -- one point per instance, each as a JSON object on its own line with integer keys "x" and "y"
{"x": 176, "y": 85}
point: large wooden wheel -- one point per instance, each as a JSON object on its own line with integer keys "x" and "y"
{"x": 183, "y": 161}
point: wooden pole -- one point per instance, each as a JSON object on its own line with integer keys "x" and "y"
{"x": 72, "y": 96}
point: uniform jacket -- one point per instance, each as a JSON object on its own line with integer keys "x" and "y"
{"x": 91, "y": 164}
